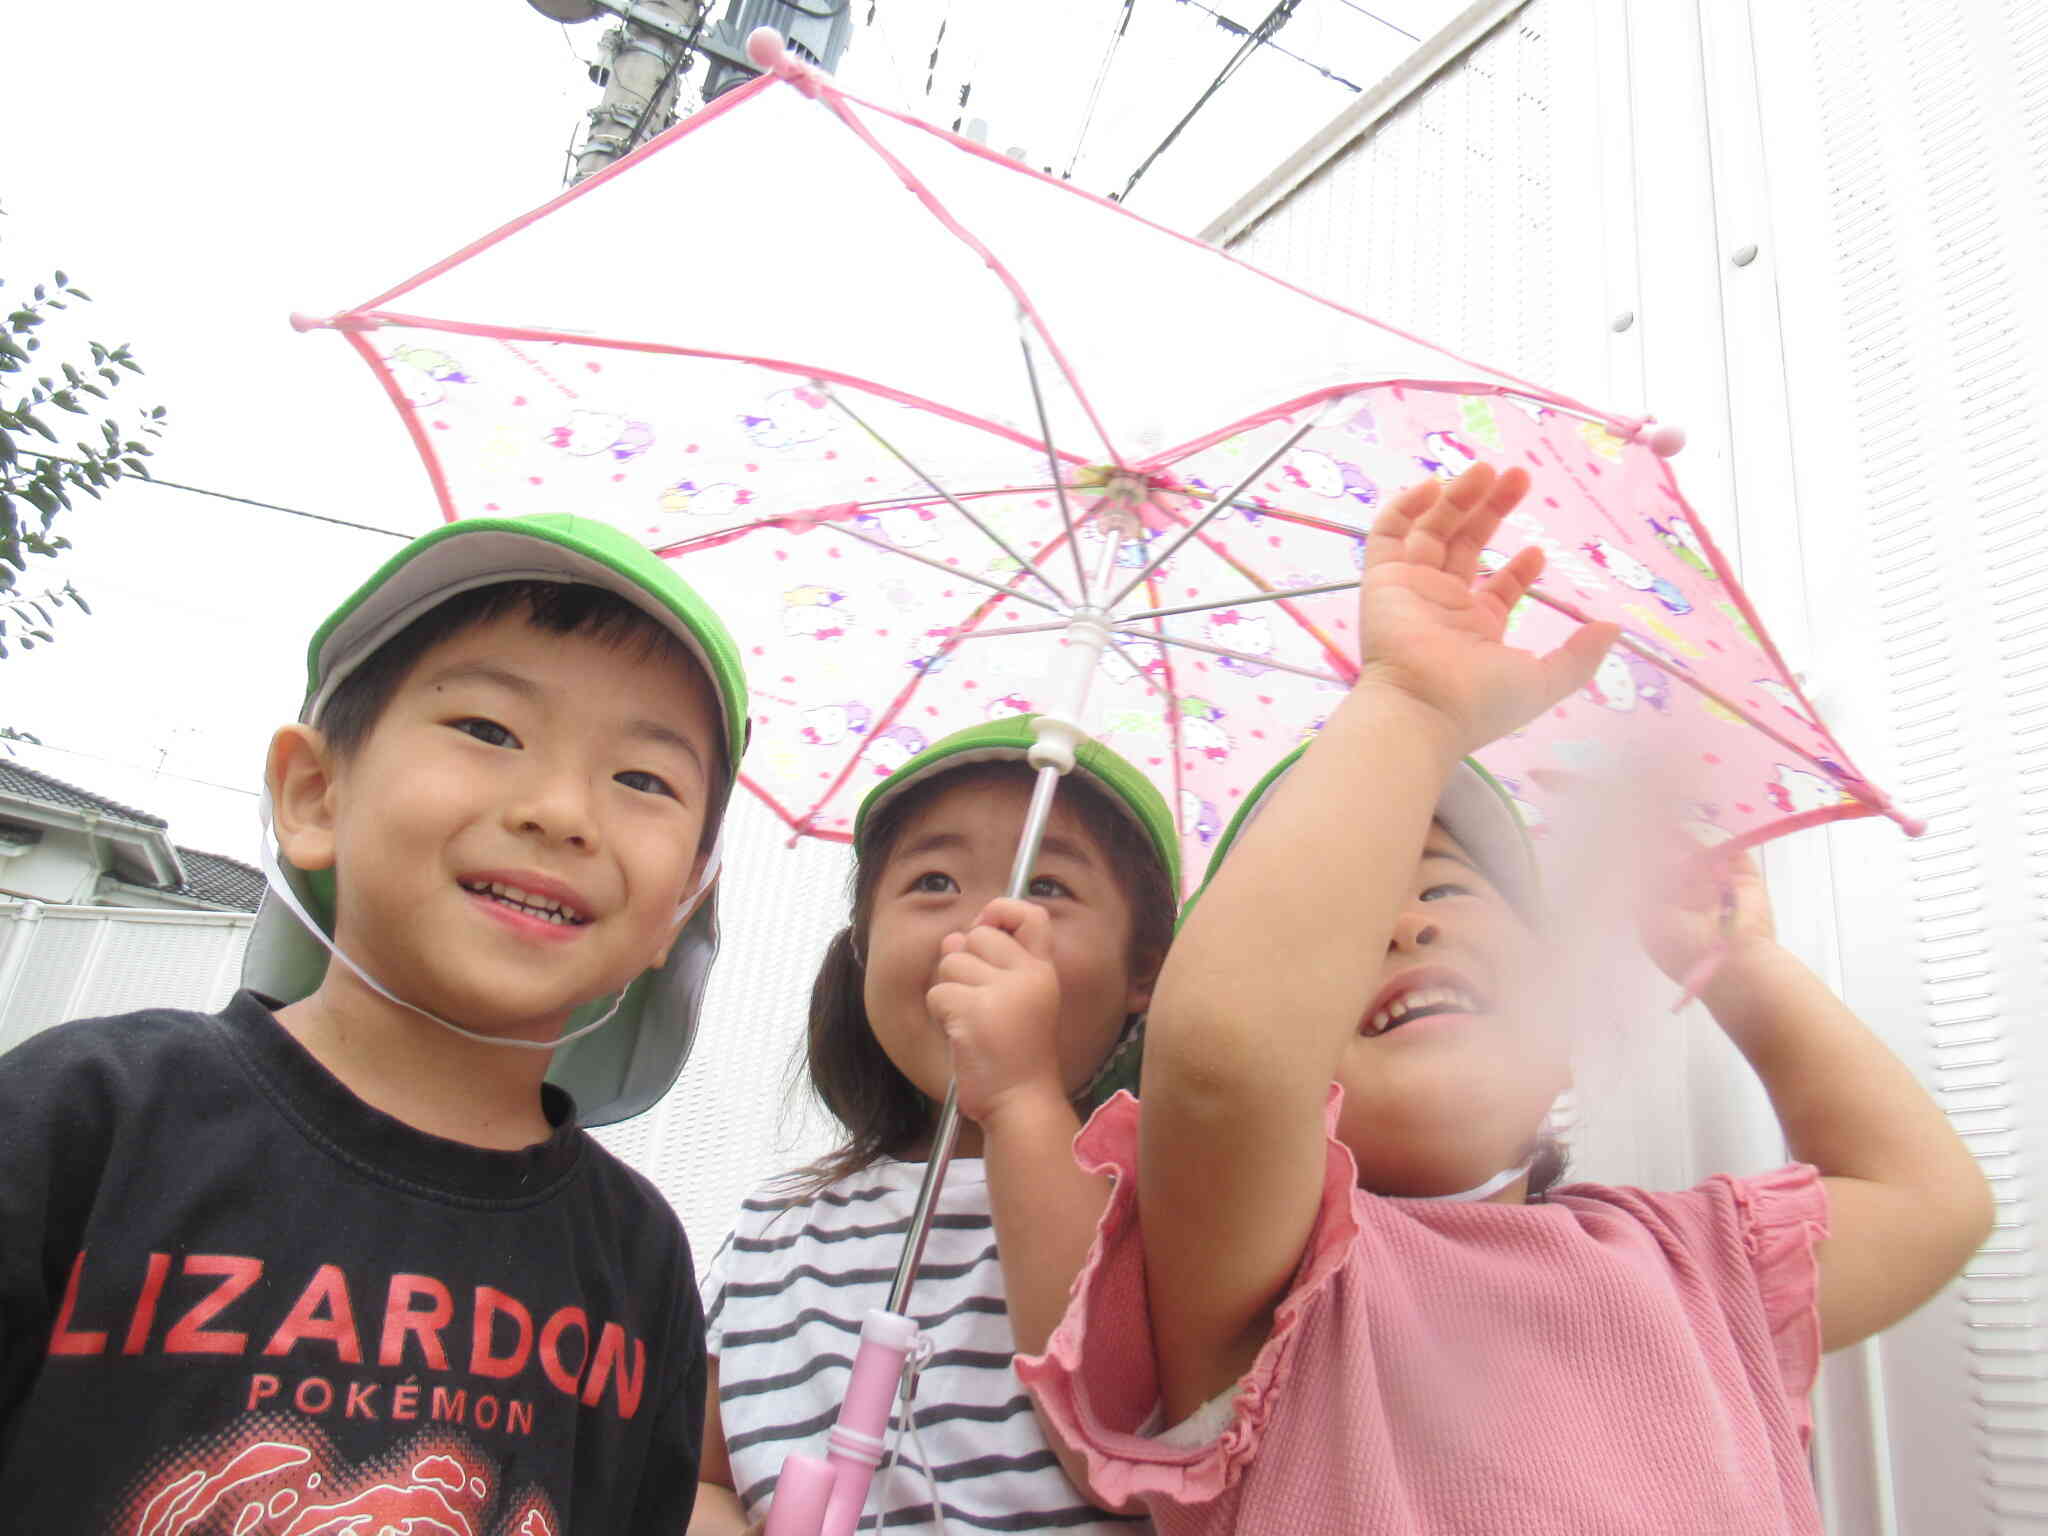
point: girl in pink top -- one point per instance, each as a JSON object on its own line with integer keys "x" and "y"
{"x": 1316, "y": 1304}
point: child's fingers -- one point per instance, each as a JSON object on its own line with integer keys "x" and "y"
{"x": 961, "y": 970}
{"x": 1511, "y": 583}
{"x": 1025, "y": 921}
{"x": 1572, "y": 665}
{"x": 1478, "y": 531}
{"x": 952, "y": 943}
{"x": 1387, "y": 539}
{"x": 1439, "y": 526}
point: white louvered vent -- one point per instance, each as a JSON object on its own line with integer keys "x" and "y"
{"x": 1924, "y": 132}
{"x": 1444, "y": 212}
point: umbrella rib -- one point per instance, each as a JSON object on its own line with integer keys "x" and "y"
{"x": 1265, "y": 662}
{"x": 951, "y": 500}
{"x": 1221, "y": 503}
{"x": 1052, "y": 459}
{"x": 955, "y": 570}
{"x": 1636, "y": 647}
{"x": 1234, "y": 602}
{"x": 1016, "y": 629}
{"x": 1136, "y": 671}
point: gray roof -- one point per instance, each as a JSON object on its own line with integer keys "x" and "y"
{"x": 219, "y": 879}
{"x": 17, "y": 780}
{"x": 209, "y": 877}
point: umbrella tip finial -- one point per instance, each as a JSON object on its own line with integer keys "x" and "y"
{"x": 765, "y": 48}
{"x": 1661, "y": 439}
{"x": 1664, "y": 441}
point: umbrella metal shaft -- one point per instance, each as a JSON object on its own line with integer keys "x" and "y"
{"x": 1088, "y": 637}
{"x": 948, "y": 1130}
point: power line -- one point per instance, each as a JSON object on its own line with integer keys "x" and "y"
{"x": 1263, "y": 32}
{"x": 1230, "y": 26}
{"x": 1095, "y": 95}
{"x": 1375, "y": 15}
{"x": 158, "y": 773}
{"x": 200, "y": 490}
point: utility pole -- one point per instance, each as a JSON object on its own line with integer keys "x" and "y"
{"x": 644, "y": 59}
{"x": 655, "y": 43}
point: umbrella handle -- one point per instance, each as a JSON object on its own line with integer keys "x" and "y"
{"x": 824, "y": 1496}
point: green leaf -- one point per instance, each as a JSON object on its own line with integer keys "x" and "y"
{"x": 34, "y": 425}
{"x": 60, "y": 279}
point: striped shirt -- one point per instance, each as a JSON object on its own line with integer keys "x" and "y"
{"x": 783, "y": 1303}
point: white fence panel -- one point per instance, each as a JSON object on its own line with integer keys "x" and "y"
{"x": 64, "y": 962}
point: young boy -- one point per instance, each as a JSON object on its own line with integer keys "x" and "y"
{"x": 339, "y": 1259}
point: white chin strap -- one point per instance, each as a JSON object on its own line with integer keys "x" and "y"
{"x": 281, "y": 888}
{"x": 1492, "y": 1186}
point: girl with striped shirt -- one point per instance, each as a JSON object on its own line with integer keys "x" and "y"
{"x": 1033, "y": 1007}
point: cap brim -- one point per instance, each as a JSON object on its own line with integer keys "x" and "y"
{"x": 1010, "y": 740}
{"x": 480, "y": 552}
{"x": 1473, "y": 807}
{"x": 613, "y": 1073}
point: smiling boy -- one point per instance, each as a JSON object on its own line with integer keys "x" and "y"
{"x": 340, "y": 1256}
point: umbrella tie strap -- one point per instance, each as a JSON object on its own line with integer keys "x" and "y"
{"x": 905, "y": 1427}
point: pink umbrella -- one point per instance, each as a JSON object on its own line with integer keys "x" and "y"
{"x": 945, "y": 439}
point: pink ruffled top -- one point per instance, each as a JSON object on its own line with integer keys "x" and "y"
{"x": 1608, "y": 1360}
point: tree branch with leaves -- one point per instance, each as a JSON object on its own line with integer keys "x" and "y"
{"x": 37, "y": 485}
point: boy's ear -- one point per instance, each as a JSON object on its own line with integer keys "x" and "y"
{"x": 299, "y": 773}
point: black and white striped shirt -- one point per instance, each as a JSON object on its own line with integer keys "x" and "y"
{"x": 783, "y": 1304}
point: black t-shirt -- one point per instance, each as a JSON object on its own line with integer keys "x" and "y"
{"x": 236, "y": 1299}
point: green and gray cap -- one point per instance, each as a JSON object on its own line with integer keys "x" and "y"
{"x": 620, "y": 1070}
{"x": 1009, "y": 740}
{"x": 1473, "y": 805}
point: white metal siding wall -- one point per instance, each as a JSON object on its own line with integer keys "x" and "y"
{"x": 1863, "y": 400}
{"x": 1908, "y": 191}
{"x": 1458, "y": 217}
{"x": 64, "y": 962}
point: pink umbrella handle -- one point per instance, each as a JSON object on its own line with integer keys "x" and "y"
{"x": 824, "y": 1496}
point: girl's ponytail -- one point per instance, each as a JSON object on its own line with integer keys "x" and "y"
{"x": 852, "y": 1075}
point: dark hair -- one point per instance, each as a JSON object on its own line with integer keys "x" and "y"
{"x": 553, "y": 607}
{"x": 852, "y": 1076}
{"x": 1547, "y": 1166}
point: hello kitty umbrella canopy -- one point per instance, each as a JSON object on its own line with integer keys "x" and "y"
{"x": 887, "y": 395}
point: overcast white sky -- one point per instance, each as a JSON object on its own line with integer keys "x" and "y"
{"x": 205, "y": 173}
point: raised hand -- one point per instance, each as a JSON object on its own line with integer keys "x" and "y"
{"x": 997, "y": 997}
{"x": 1429, "y": 625}
{"x": 1706, "y": 906}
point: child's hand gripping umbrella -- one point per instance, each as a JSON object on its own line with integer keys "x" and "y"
{"x": 894, "y": 506}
